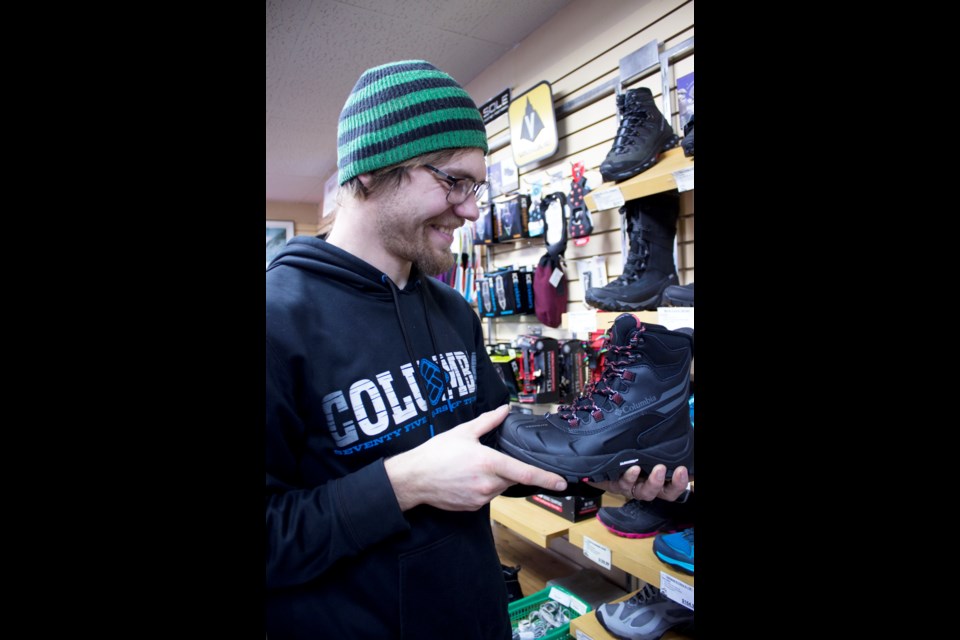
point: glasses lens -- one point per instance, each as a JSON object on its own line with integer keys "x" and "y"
{"x": 481, "y": 189}
{"x": 458, "y": 192}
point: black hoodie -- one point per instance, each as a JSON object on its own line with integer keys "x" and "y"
{"x": 358, "y": 370}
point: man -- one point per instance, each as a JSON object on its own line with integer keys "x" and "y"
{"x": 380, "y": 397}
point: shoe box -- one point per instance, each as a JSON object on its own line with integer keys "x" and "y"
{"x": 507, "y": 365}
{"x": 512, "y": 218}
{"x": 539, "y": 370}
{"x": 574, "y": 372}
{"x": 572, "y": 508}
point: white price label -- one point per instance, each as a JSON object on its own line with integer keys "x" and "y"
{"x": 578, "y": 606}
{"x": 582, "y": 321}
{"x": 560, "y": 596}
{"x": 608, "y": 199}
{"x": 684, "y": 178}
{"x": 555, "y": 277}
{"x": 596, "y": 552}
{"x": 582, "y": 636}
{"x": 675, "y": 317}
{"x": 676, "y": 590}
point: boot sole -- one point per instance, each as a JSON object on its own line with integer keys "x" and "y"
{"x": 638, "y": 169}
{"x": 650, "y": 304}
{"x": 667, "y": 528}
{"x": 610, "y": 467}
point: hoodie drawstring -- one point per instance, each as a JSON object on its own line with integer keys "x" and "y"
{"x": 406, "y": 340}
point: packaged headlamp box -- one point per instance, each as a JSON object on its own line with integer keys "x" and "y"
{"x": 484, "y": 226}
{"x": 512, "y": 217}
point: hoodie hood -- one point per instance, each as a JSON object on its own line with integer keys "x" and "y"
{"x": 318, "y": 256}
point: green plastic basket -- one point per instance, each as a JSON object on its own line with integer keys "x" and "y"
{"x": 570, "y": 604}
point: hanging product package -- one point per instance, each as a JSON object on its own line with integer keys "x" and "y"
{"x": 549, "y": 279}
{"x": 581, "y": 222}
{"x": 550, "y": 289}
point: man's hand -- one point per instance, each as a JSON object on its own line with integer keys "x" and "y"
{"x": 453, "y": 471}
{"x": 652, "y": 487}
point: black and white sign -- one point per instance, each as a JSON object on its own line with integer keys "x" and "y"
{"x": 497, "y": 106}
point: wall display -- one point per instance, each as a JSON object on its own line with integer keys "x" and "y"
{"x": 502, "y": 177}
{"x": 278, "y": 232}
{"x": 533, "y": 125}
{"x": 685, "y": 98}
{"x": 492, "y": 109}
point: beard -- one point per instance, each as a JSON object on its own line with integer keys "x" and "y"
{"x": 407, "y": 239}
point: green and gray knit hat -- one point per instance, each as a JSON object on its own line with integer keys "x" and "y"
{"x": 401, "y": 110}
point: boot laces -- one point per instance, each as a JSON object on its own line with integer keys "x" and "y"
{"x": 618, "y": 358}
{"x": 636, "y": 262}
{"x": 630, "y": 125}
{"x": 647, "y": 595}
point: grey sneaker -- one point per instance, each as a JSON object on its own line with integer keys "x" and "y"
{"x": 646, "y": 616}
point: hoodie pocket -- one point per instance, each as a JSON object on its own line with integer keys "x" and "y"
{"x": 445, "y": 593}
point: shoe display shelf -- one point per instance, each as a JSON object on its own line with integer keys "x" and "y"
{"x": 604, "y": 319}
{"x": 587, "y": 627}
{"x": 656, "y": 179}
{"x": 536, "y": 524}
{"x": 633, "y": 555}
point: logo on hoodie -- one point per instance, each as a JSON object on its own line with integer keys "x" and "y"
{"x": 371, "y": 411}
{"x": 435, "y": 379}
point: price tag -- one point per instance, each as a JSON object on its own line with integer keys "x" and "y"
{"x": 596, "y": 552}
{"x": 582, "y": 321}
{"x": 675, "y": 317}
{"x": 684, "y": 178}
{"x": 676, "y": 590}
{"x": 560, "y": 596}
{"x": 608, "y": 199}
{"x": 555, "y": 277}
{"x": 578, "y": 606}
{"x": 582, "y": 636}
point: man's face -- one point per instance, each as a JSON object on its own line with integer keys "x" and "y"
{"x": 416, "y": 223}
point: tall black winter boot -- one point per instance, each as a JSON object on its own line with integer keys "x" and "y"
{"x": 643, "y": 134}
{"x": 652, "y": 233}
{"x": 636, "y": 256}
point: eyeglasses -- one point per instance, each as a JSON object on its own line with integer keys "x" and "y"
{"x": 460, "y": 188}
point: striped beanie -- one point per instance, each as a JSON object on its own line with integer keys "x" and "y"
{"x": 401, "y": 110}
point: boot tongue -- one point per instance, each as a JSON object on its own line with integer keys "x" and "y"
{"x": 625, "y": 325}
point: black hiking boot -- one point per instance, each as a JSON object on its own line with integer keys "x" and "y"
{"x": 642, "y": 136}
{"x": 637, "y": 413}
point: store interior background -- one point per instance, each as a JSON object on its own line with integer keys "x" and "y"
{"x": 316, "y": 51}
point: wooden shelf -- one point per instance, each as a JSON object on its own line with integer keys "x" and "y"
{"x": 536, "y": 523}
{"x": 605, "y": 318}
{"x": 656, "y": 179}
{"x": 586, "y": 627}
{"x": 633, "y": 555}
{"x": 532, "y": 522}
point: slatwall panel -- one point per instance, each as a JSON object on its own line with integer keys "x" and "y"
{"x": 574, "y": 68}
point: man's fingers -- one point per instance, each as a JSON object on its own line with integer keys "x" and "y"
{"x": 677, "y": 485}
{"x": 487, "y": 422}
{"x": 522, "y": 473}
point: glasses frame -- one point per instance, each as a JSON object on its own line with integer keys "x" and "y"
{"x": 477, "y": 188}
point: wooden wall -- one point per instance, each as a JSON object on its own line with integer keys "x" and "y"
{"x": 576, "y": 51}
